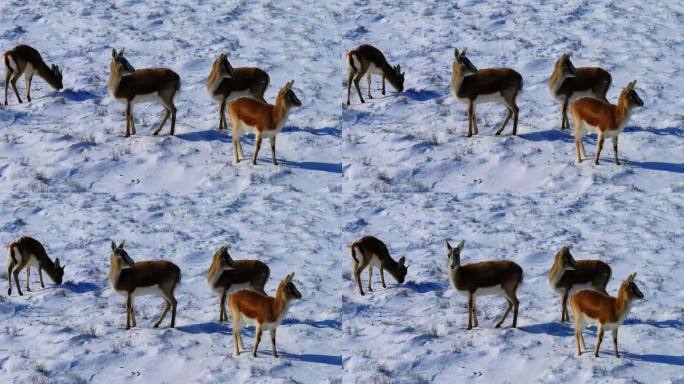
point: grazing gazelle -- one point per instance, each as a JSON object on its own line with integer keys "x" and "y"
{"x": 500, "y": 277}
{"x": 369, "y": 251}
{"x": 473, "y": 86}
{"x": 264, "y": 311}
{"x": 367, "y": 60}
{"x": 591, "y": 115}
{"x": 226, "y": 276}
{"x": 28, "y": 252}
{"x": 568, "y": 276}
{"x": 226, "y": 84}
{"x": 130, "y": 86}
{"x": 263, "y": 119}
{"x": 607, "y": 312}
{"x": 25, "y": 60}
{"x": 152, "y": 277}
{"x": 568, "y": 83}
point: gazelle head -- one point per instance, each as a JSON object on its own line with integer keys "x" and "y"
{"x": 565, "y": 66}
{"x": 223, "y": 67}
{"x": 630, "y": 288}
{"x": 289, "y": 96}
{"x": 58, "y": 76}
{"x": 223, "y": 259}
{"x": 564, "y": 259}
{"x": 119, "y": 63}
{"x": 454, "y": 254}
{"x": 60, "y": 271}
{"x": 120, "y": 258}
{"x": 288, "y": 288}
{"x": 400, "y": 77}
{"x": 629, "y": 94}
{"x": 462, "y": 64}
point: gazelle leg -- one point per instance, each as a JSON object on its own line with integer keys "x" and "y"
{"x": 163, "y": 121}
{"x": 40, "y": 274}
{"x": 370, "y": 275}
{"x": 128, "y": 311}
{"x": 223, "y": 316}
{"x": 565, "y": 316}
{"x": 382, "y": 276}
{"x": 28, "y": 87}
{"x": 578, "y": 144}
{"x": 357, "y": 276}
{"x": 578, "y": 335}
{"x": 598, "y": 340}
{"x": 173, "y": 119}
{"x": 470, "y": 311}
{"x": 174, "y": 306}
{"x": 357, "y": 78}
{"x": 615, "y": 151}
{"x": 516, "y": 113}
{"x": 383, "y": 85}
{"x": 508, "y": 309}
{"x": 256, "y": 148}
{"x": 128, "y": 119}
{"x": 13, "y": 81}
{"x": 222, "y": 114}
{"x": 259, "y": 332}
{"x": 503, "y": 125}
{"x": 350, "y": 78}
{"x": 599, "y": 147}
{"x": 273, "y": 342}
{"x": 236, "y": 335}
{"x": 164, "y": 312}
{"x": 242, "y": 345}
{"x": 565, "y": 124}
{"x": 28, "y": 275}
{"x": 16, "y": 277}
{"x": 471, "y": 112}
{"x": 615, "y": 347}
{"x": 273, "y": 141}
{"x": 8, "y": 74}
{"x": 242, "y": 153}
{"x": 10, "y": 266}
{"x": 516, "y": 306}
{"x": 368, "y": 77}
{"x": 475, "y": 323}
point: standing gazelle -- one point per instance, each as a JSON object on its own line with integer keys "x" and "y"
{"x": 25, "y": 60}
{"x": 568, "y": 83}
{"x": 374, "y": 253}
{"x": 130, "y": 86}
{"x": 567, "y": 276}
{"x": 28, "y": 252}
{"x": 226, "y": 276}
{"x": 607, "y": 312}
{"x": 253, "y": 116}
{"x": 367, "y": 60}
{"x": 152, "y": 277}
{"x": 264, "y": 311}
{"x": 473, "y": 86}
{"x": 591, "y": 115}
{"x": 226, "y": 84}
{"x": 500, "y": 277}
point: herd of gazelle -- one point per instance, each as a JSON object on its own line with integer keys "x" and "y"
{"x": 239, "y": 92}
{"x": 583, "y": 282}
{"x": 586, "y": 88}
{"x": 242, "y": 281}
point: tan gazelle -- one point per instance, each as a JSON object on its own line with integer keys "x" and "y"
{"x": 28, "y": 252}
{"x": 130, "y": 86}
{"x": 367, "y": 60}
{"x": 369, "y": 252}
{"x": 24, "y": 59}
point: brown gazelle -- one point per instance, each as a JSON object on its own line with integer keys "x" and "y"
{"x": 153, "y": 277}
{"x": 264, "y": 120}
{"x": 249, "y": 307}
{"x": 591, "y": 115}
{"x": 28, "y": 252}
{"x": 473, "y": 86}
{"x": 499, "y": 277}
{"x": 568, "y": 83}
{"x": 25, "y": 60}
{"x": 226, "y": 84}
{"x": 568, "y": 276}
{"x": 369, "y": 251}
{"x": 367, "y": 60}
{"x": 130, "y": 86}
{"x": 607, "y": 312}
{"x": 226, "y": 276}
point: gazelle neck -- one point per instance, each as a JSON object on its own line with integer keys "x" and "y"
{"x": 214, "y": 80}
{"x": 390, "y": 75}
{"x": 281, "y": 302}
{"x": 456, "y": 79}
{"x": 48, "y": 266}
{"x": 555, "y": 81}
{"x": 280, "y": 111}
{"x": 556, "y": 273}
{"x": 392, "y": 267}
{"x": 623, "y": 305}
{"x": 623, "y": 112}
{"x": 46, "y": 73}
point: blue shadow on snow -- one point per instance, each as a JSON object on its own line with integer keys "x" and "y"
{"x": 81, "y": 287}
{"x": 552, "y": 328}
{"x": 312, "y": 358}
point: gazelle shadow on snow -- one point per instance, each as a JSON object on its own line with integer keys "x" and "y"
{"x": 676, "y": 324}
{"x": 81, "y": 287}
{"x": 312, "y": 165}
{"x": 313, "y": 358}
{"x": 421, "y": 95}
{"x": 207, "y": 135}
{"x": 327, "y": 131}
{"x": 552, "y": 328}
{"x": 651, "y": 358}
{"x": 77, "y": 95}
{"x": 549, "y": 135}
{"x": 208, "y": 328}
{"x": 672, "y": 131}
{"x": 424, "y": 287}
{"x": 335, "y": 324}
{"x": 656, "y": 165}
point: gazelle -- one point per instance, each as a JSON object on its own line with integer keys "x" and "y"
{"x": 130, "y": 86}
{"x": 226, "y": 84}
{"x": 591, "y": 115}
{"x": 264, "y": 120}
{"x": 568, "y": 83}
{"x": 369, "y": 251}
{"x": 25, "y": 60}
{"x": 28, "y": 252}
{"x": 568, "y": 276}
{"x": 226, "y": 276}
{"x": 473, "y": 86}
{"x": 153, "y": 277}
{"x": 607, "y": 312}
{"x": 500, "y": 277}
{"x": 261, "y": 310}
{"x": 367, "y": 60}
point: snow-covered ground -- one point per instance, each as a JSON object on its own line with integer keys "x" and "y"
{"x": 72, "y": 140}
{"x": 415, "y": 332}
{"x": 74, "y": 333}
{"x": 416, "y": 140}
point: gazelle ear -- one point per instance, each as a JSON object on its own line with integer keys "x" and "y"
{"x": 460, "y": 245}
{"x": 456, "y": 54}
{"x": 402, "y": 261}
{"x": 113, "y": 246}
{"x": 632, "y": 84}
{"x": 463, "y": 52}
{"x": 122, "y": 244}
{"x": 57, "y": 262}
{"x": 448, "y": 246}
{"x": 631, "y": 277}
{"x": 113, "y": 53}
{"x": 121, "y": 51}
